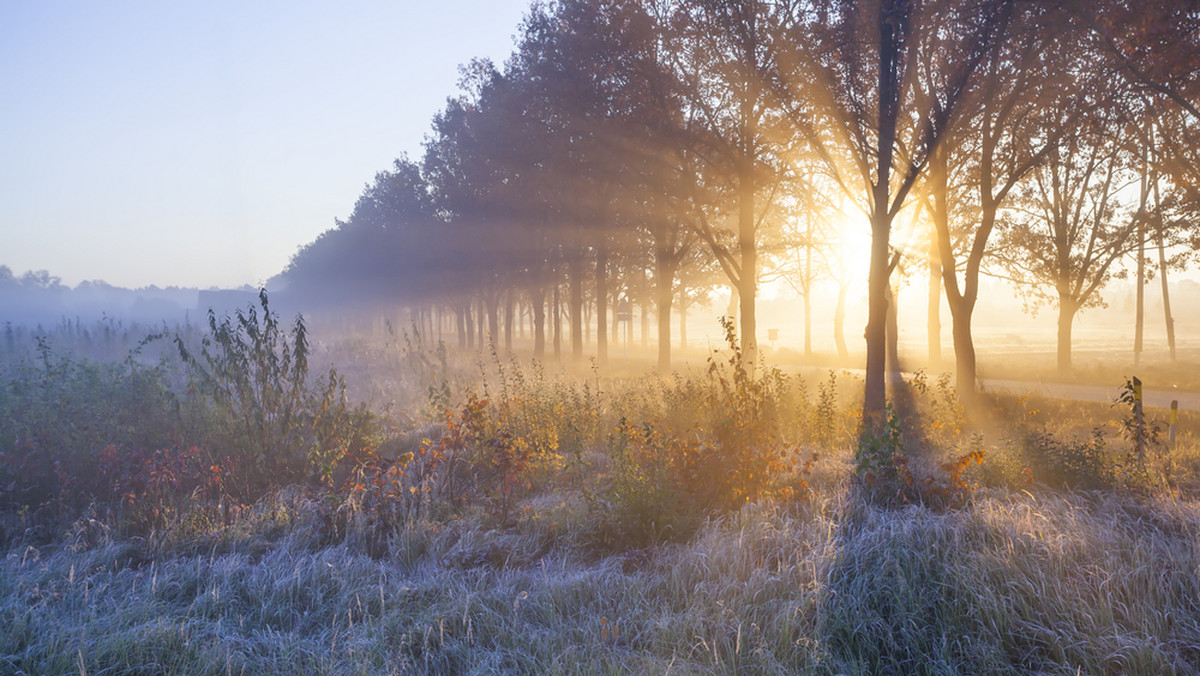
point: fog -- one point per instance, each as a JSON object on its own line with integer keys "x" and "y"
{"x": 1005, "y": 328}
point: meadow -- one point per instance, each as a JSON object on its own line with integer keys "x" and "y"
{"x": 218, "y": 499}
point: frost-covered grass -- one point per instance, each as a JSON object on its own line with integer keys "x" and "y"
{"x": 710, "y": 522}
{"x": 1015, "y": 582}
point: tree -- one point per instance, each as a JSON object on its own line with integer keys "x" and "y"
{"x": 810, "y": 239}
{"x": 729, "y": 63}
{"x": 859, "y": 102}
{"x": 389, "y": 251}
{"x": 1155, "y": 45}
{"x": 1014, "y": 117}
{"x": 1071, "y": 229}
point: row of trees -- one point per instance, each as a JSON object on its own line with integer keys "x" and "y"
{"x": 657, "y": 147}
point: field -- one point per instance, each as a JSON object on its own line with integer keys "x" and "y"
{"x": 200, "y": 501}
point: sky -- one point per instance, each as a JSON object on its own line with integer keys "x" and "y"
{"x": 201, "y": 143}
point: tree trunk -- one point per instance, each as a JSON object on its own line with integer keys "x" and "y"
{"x": 460, "y": 326}
{"x": 481, "y": 314}
{"x": 493, "y": 316}
{"x": 575, "y": 274}
{"x": 893, "y": 337}
{"x": 1162, "y": 275}
{"x": 1066, "y": 316}
{"x": 521, "y": 318}
{"x": 964, "y": 351}
{"x": 1140, "y": 310}
{"x": 645, "y": 318}
{"x": 664, "y": 307}
{"x": 616, "y": 315}
{"x": 557, "y": 312}
{"x": 1162, "y": 270}
{"x": 683, "y": 314}
{"x": 587, "y": 323}
{"x": 806, "y": 282}
{"x": 875, "y": 390}
{"x": 602, "y": 303}
{"x": 749, "y": 259}
{"x": 933, "y": 313}
{"x": 664, "y": 279}
{"x": 539, "y": 322}
{"x": 839, "y": 320}
{"x": 508, "y": 321}
{"x": 962, "y": 305}
{"x": 469, "y": 313}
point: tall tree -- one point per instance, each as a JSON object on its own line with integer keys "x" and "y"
{"x": 1066, "y": 242}
{"x": 1013, "y": 118}
{"x": 729, "y": 61}
{"x": 864, "y": 111}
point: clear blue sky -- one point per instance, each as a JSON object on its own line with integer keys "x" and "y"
{"x": 200, "y": 143}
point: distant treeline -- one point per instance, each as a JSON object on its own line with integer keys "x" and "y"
{"x": 38, "y": 297}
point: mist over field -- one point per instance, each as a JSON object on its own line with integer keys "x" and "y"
{"x": 1006, "y": 328}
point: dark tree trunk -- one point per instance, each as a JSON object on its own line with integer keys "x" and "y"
{"x": 1066, "y": 317}
{"x": 964, "y": 352}
{"x": 539, "y": 322}
{"x": 602, "y": 303}
{"x": 893, "y": 336}
{"x": 663, "y": 283}
{"x": 616, "y": 315}
{"x": 508, "y": 321}
{"x": 493, "y": 317}
{"x": 747, "y": 290}
{"x": 469, "y": 313}
{"x": 1166, "y": 293}
{"x": 933, "y": 307}
{"x": 461, "y": 329}
{"x": 557, "y": 312}
{"x": 587, "y": 323}
{"x": 575, "y": 274}
{"x": 875, "y": 390}
{"x": 1140, "y": 308}
{"x": 645, "y": 319}
{"x": 1162, "y": 273}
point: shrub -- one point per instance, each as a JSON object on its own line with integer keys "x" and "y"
{"x": 279, "y": 428}
{"x": 1070, "y": 463}
{"x": 58, "y": 415}
{"x": 641, "y": 499}
{"x": 745, "y": 453}
{"x": 885, "y": 478}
